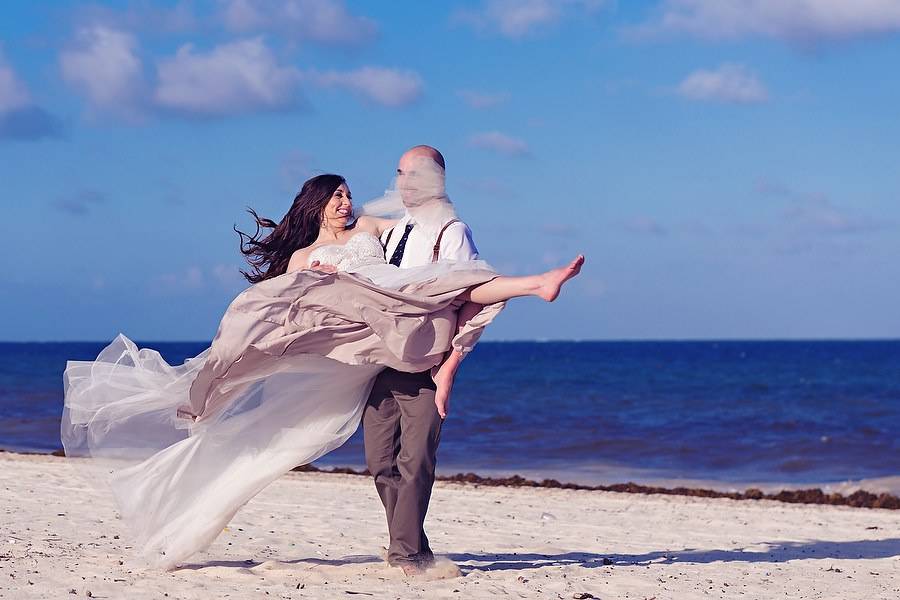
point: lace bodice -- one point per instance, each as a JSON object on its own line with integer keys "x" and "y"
{"x": 361, "y": 250}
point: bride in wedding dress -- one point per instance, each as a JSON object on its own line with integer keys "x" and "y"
{"x": 288, "y": 373}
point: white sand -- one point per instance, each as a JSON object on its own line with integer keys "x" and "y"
{"x": 319, "y": 536}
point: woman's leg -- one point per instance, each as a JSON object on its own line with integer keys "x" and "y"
{"x": 445, "y": 373}
{"x": 546, "y": 285}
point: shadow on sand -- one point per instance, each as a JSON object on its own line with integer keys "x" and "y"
{"x": 360, "y": 559}
{"x": 775, "y": 552}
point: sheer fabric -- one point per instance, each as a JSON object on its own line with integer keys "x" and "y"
{"x": 284, "y": 382}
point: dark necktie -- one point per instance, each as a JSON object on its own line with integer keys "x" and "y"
{"x": 397, "y": 256}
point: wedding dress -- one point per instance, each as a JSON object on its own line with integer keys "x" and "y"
{"x": 283, "y": 383}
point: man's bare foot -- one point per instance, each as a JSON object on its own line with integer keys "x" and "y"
{"x": 553, "y": 280}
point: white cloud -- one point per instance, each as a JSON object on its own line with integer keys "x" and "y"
{"x": 727, "y": 83}
{"x": 190, "y": 279}
{"x": 20, "y": 118}
{"x": 482, "y": 100}
{"x": 645, "y": 225}
{"x": 817, "y": 214}
{"x": 801, "y": 21}
{"x": 519, "y": 18}
{"x": 13, "y": 93}
{"x": 104, "y": 65}
{"x": 389, "y": 87}
{"x": 157, "y": 17}
{"x": 228, "y": 276}
{"x": 195, "y": 278}
{"x": 500, "y": 142}
{"x": 232, "y": 78}
{"x": 321, "y": 21}
{"x": 243, "y": 15}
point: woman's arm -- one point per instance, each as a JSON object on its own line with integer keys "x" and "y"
{"x": 375, "y": 225}
{"x": 299, "y": 260}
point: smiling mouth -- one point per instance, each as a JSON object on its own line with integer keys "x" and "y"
{"x": 344, "y": 212}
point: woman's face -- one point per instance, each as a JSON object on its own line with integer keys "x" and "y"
{"x": 339, "y": 208}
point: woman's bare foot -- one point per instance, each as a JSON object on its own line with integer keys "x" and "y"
{"x": 442, "y": 397}
{"x": 553, "y": 280}
{"x": 443, "y": 377}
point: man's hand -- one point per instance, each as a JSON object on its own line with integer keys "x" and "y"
{"x": 317, "y": 266}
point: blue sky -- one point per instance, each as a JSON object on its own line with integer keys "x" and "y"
{"x": 730, "y": 169}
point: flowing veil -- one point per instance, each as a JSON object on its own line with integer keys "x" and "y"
{"x": 284, "y": 382}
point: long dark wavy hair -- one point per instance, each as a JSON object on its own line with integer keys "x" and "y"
{"x": 269, "y": 255}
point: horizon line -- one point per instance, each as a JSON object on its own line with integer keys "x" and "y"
{"x": 530, "y": 340}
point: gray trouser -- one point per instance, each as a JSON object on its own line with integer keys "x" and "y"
{"x": 402, "y": 430}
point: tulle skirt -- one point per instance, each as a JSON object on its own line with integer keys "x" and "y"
{"x": 285, "y": 381}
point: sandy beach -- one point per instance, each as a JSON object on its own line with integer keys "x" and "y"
{"x": 317, "y": 535}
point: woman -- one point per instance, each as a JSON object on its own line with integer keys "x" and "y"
{"x": 319, "y": 230}
{"x": 286, "y": 377}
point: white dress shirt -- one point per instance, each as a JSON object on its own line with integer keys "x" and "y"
{"x": 456, "y": 244}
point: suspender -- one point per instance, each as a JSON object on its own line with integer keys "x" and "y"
{"x": 437, "y": 245}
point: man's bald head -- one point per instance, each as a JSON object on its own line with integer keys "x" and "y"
{"x": 420, "y": 151}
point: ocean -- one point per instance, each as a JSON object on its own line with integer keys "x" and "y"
{"x": 722, "y": 414}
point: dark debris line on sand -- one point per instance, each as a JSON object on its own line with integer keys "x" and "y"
{"x": 858, "y": 499}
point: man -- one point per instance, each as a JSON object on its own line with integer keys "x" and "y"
{"x": 401, "y": 424}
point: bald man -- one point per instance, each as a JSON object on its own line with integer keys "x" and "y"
{"x": 401, "y": 424}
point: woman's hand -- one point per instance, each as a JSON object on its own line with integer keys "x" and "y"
{"x": 317, "y": 266}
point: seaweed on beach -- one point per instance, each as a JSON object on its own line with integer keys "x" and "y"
{"x": 858, "y": 499}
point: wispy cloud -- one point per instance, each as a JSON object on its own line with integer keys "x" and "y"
{"x": 559, "y": 229}
{"x": 154, "y": 18}
{"x": 795, "y": 21}
{"x": 482, "y": 100}
{"x": 488, "y": 186}
{"x": 521, "y": 18}
{"x": 20, "y": 118}
{"x": 190, "y": 279}
{"x": 816, "y": 213}
{"x": 326, "y": 22}
{"x": 769, "y": 187}
{"x": 30, "y": 123}
{"x": 387, "y": 87}
{"x": 196, "y": 278}
{"x": 103, "y": 64}
{"x": 296, "y": 167}
{"x": 80, "y": 204}
{"x": 727, "y": 83}
{"x": 13, "y": 93}
{"x": 500, "y": 142}
{"x": 645, "y": 225}
{"x": 232, "y": 78}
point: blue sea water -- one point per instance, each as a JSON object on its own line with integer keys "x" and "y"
{"x": 603, "y": 412}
